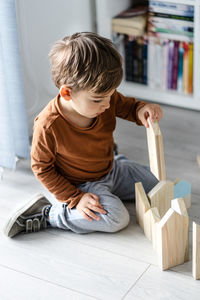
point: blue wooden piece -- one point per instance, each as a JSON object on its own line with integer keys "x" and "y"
{"x": 182, "y": 189}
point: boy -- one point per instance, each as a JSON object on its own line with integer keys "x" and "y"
{"x": 72, "y": 148}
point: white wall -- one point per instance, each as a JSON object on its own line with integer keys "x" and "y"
{"x": 40, "y": 24}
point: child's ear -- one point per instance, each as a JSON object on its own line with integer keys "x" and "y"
{"x": 65, "y": 92}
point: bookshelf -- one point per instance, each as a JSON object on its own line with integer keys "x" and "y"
{"x": 105, "y": 10}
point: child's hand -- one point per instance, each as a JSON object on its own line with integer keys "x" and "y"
{"x": 88, "y": 203}
{"x": 151, "y": 110}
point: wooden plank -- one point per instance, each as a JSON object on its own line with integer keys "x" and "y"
{"x": 179, "y": 206}
{"x": 172, "y": 236}
{"x": 150, "y": 218}
{"x": 156, "y": 150}
{"x": 161, "y": 195}
{"x": 141, "y": 203}
{"x": 196, "y": 251}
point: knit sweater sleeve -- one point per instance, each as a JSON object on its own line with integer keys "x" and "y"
{"x": 43, "y": 157}
{"x": 127, "y": 107}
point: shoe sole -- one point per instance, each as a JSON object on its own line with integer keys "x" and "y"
{"x": 20, "y": 211}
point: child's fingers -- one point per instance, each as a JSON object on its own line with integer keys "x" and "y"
{"x": 89, "y": 213}
{"x": 97, "y": 208}
{"x": 144, "y": 120}
{"x": 94, "y": 196}
{"x": 86, "y": 216}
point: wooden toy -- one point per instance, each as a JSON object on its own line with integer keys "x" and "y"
{"x": 196, "y": 251}
{"x": 156, "y": 151}
{"x": 166, "y": 226}
{"x": 151, "y": 217}
{"x": 161, "y": 195}
{"x": 173, "y": 236}
{"x": 182, "y": 189}
{"x": 141, "y": 204}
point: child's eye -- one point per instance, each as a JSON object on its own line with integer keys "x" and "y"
{"x": 97, "y": 101}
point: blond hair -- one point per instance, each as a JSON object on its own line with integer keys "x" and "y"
{"x": 86, "y": 61}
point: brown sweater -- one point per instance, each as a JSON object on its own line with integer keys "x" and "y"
{"x": 64, "y": 155}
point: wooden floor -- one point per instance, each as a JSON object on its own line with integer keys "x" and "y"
{"x": 55, "y": 264}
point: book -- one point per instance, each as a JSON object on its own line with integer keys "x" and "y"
{"x": 128, "y": 30}
{"x": 175, "y": 65}
{"x": 185, "y": 67}
{"x": 171, "y": 31}
{"x": 139, "y": 57}
{"x": 171, "y": 8}
{"x": 129, "y": 59}
{"x": 144, "y": 61}
{"x": 170, "y": 16}
{"x": 133, "y": 11}
{"x": 135, "y": 61}
{"x": 190, "y": 75}
{"x": 180, "y": 68}
{"x": 157, "y": 21}
{"x": 151, "y": 62}
{"x": 158, "y": 64}
{"x": 171, "y": 5}
{"x": 169, "y": 36}
{"x": 165, "y": 50}
{"x": 170, "y": 64}
{"x": 138, "y": 22}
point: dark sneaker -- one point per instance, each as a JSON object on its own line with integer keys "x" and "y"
{"x": 29, "y": 218}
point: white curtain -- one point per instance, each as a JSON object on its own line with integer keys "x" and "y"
{"x": 14, "y": 140}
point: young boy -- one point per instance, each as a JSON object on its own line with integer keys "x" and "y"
{"x": 72, "y": 148}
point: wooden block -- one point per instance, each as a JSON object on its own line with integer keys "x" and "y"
{"x": 156, "y": 150}
{"x": 141, "y": 203}
{"x": 179, "y": 206}
{"x": 182, "y": 189}
{"x": 172, "y": 236}
{"x": 161, "y": 195}
{"x": 187, "y": 200}
{"x": 150, "y": 218}
{"x": 196, "y": 251}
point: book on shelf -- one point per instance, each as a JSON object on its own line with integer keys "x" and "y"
{"x": 190, "y": 81}
{"x": 175, "y": 66}
{"x": 131, "y": 22}
{"x": 163, "y": 57}
{"x": 170, "y": 16}
{"x": 171, "y": 8}
{"x": 133, "y": 11}
{"x": 180, "y": 68}
{"x": 138, "y": 22}
{"x": 163, "y": 21}
{"x": 177, "y": 23}
{"x": 136, "y": 59}
{"x": 182, "y": 32}
{"x": 185, "y": 67}
{"x": 127, "y": 30}
{"x": 170, "y": 64}
{"x": 169, "y": 36}
{"x": 176, "y": 61}
{"x": 164, "y": 66}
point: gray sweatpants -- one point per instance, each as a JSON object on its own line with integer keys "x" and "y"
{"x": 117, "y": 186}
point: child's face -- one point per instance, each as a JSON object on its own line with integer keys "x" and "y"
{"x": 90, "y": 105}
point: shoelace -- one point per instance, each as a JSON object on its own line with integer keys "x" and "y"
{"x": 33, "y": 223}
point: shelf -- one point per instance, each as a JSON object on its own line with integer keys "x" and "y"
{"x": 107, "y": 9}
{"x": 186, "y": 2}
{"x": 170, "y": 97}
